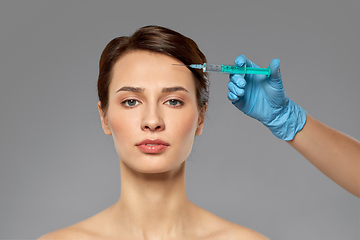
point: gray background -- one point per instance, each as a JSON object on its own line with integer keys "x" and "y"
{"x": 58, "y": 167}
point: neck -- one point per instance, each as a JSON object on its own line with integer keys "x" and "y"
{"x": 153, "y": 205}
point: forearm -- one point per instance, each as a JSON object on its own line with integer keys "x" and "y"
{"x": 332, "y": 152}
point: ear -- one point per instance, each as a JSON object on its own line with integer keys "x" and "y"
{"x": 201, "y": 120}
{"x": 104, "y": 121}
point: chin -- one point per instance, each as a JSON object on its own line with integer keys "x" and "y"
{"x": 153, "y": 166}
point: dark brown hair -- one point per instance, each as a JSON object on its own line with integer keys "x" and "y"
{"x": 154, "y": 39}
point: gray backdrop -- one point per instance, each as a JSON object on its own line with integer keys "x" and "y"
{"x": 58, "y": 167}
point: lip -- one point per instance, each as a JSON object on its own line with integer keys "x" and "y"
{"x": 159, "y": 146}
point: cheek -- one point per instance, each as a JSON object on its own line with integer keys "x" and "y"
{"x": 184, "y": 124}
{"x": 122, "y": 125}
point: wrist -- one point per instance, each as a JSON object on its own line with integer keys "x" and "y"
{"x": 288, "y": 122}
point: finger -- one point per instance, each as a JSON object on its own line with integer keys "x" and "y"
{"x": 238, "y": 80}
{"x": 232, "y": 97}
{"x": 275, "y": 69}
{"x": 240, "y": 60}
{"x": 235, "y": 90}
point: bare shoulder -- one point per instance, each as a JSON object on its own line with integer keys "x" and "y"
{"x": 81, "y": 230}
{"x": 238, "y": 232}
{"x": 86, "y": 229}
{"x": 232, "y": 231}
{"x": 223, "y": 229}
{"x": 64, "y": 233}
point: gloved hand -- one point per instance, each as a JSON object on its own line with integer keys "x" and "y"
{"x": 264, "y": 99}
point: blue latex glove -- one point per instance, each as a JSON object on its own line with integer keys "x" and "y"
{"x": 264, "y": 99}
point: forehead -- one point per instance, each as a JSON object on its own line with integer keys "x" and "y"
{"x": 148, "y": 69}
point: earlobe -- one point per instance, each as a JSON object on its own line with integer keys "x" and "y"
{"x": 104, "y": 121}
{"x": 199, "y": 128}
{"x": 201, "y": 122}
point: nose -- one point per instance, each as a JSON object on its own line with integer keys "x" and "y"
{"x": 152, "y": 120}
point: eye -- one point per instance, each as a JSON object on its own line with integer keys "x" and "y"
{"x": 130, "y": 103}
{"x": 174, "y": 103}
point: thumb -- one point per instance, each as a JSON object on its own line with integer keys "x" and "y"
{"x": 275, "y": 69}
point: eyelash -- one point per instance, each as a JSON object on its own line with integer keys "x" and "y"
{"x": 181, "y": 103}
{"x": 126, "y": 103}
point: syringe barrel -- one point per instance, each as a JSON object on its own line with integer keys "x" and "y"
{"x": 212, "y": 67}
{"x": 230, "y": 69}
{"x": 261, "y": 71}
{"x": 233, "y": 69}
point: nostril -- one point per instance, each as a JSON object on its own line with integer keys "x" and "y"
{"x": 153, "y": 128}
{"x": 152, "y": 122}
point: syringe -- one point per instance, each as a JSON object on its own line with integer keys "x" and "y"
{"x": 229, "y": 69}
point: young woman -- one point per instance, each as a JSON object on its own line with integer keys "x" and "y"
{"x": 153, "y": 110}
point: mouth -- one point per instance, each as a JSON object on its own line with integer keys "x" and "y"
{"x": 152, "y": 146}
{"x": 153, "y": 142}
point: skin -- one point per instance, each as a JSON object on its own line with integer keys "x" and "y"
{"x": 334, "y": 153}
{"x": 153, "y": 202}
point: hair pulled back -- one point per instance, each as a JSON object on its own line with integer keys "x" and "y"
{"x": 154, "y": 39}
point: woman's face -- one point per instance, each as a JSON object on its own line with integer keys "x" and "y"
{"x": 152, "y": 113}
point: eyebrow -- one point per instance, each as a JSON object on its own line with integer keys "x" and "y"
{"x": 131, "y": 89}
{"x": 174, "y": 89}
{"x": 140, "y": 90}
